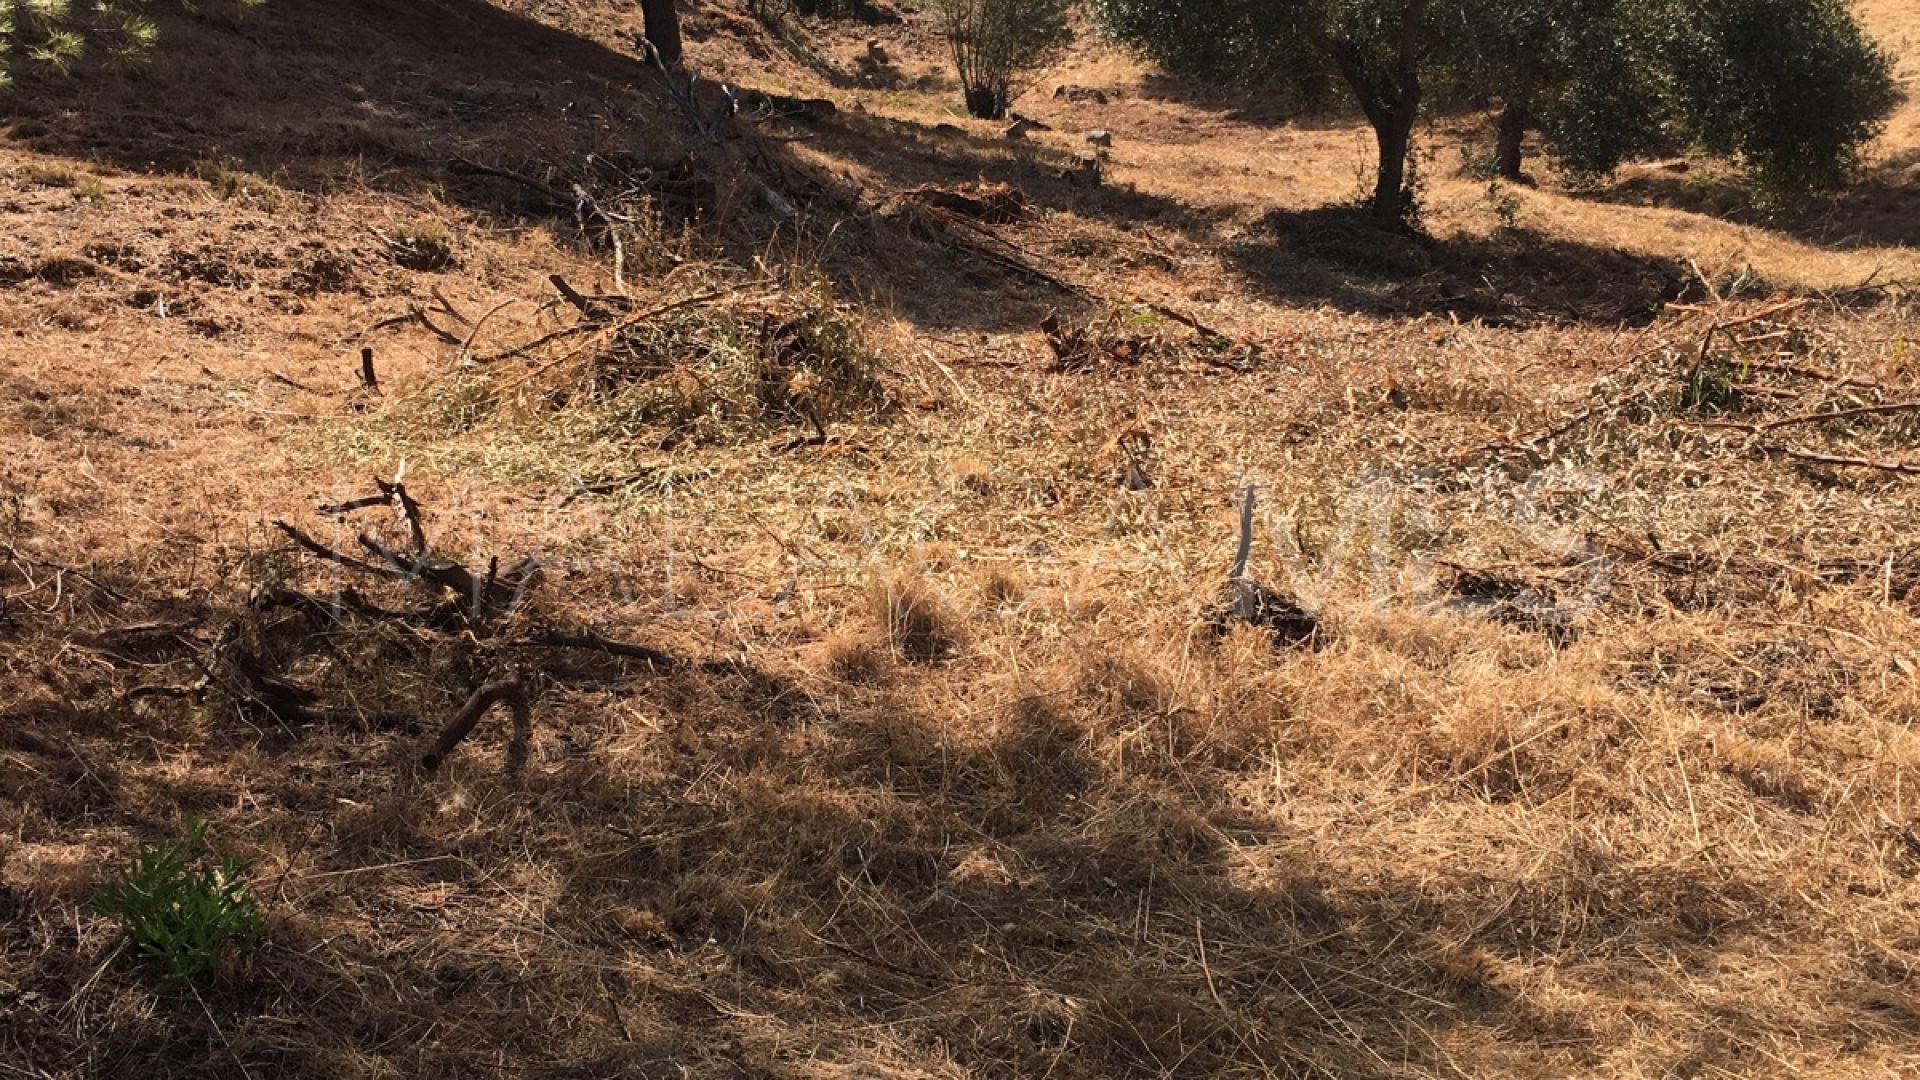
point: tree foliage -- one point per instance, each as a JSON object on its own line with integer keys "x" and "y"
{"x": 55, "y": 34}
{"x": 1580, "y": 72}
{"x": 1373, "y": 51}
{"x": 1793, "y": 88}
{"x": 997, "y": 44}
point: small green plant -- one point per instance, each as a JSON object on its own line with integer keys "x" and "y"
{"x": 216, "y": 707}
{"x": 1712, "y": 386}
{"x": 1505, "y": 205}
{"x": 230, "y": 184}
{"x": 427, "y": 248}
{"x": 1479, "y": 162}
{"x": 182, "y": 910}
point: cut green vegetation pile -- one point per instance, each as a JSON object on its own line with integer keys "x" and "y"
{"x": 719, "y": 365}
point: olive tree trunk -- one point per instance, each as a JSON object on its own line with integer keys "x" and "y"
{"x": 1512, "y": 142}
{"x": 662, "y": 29}
{"x": 1393, "y": 134}
{"x": 1391, "y": 101}
{"x": 986, "y": 103}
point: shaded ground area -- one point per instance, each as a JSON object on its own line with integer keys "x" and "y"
{"x": 777, "y": 881}
{"x": 1881, "y": 211}
{"x": 309, "y": 95}
{"x": 1515, "y": 277}
{"x": 1598, "y": 758}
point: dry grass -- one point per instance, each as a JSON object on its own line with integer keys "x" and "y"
{"x": 918, "y": 624}
{"x": 1601, "y": 764}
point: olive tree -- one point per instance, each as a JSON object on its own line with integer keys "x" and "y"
{"x": 1793, "y": 88}
{"x": 998, "y": 44}
{"x": 1375, "y": 52}
{"x": 1579, "y": 72}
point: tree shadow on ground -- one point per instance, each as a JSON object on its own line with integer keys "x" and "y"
{"x": 1256, "y": 106}
{"x": 387, "y": 95}
{"x": 743, "y": 870}
{"x": 903, "y": 154}
{"x": 881, "y": 889}
{"x": 1881, "y": 209}
{"x": 953, "y": 287}
{"x": 374, "y": 92}
{"x": 1338, "y": 255}
{"x": 789, "y": 876}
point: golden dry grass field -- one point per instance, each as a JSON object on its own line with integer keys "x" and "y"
{"x": 1599, "y": 759}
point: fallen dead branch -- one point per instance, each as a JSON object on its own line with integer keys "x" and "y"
{"x": 320, "y": 550}
{"x": 413, "y": 315}
{"x": 501, "y": 172}
{"x": 1843, "y": 382}
{"x": 1081, "y": 347}
{"x": 19, "y": 559}
{"x": 489, "y": 597}
{"x": 962, "y": 218}
{"x": 510, "y": 692}
{"x": 391, "y": 494}
{"x": 1799, "y": 454}
{"x": 605, "y": 196}
{"x": 1721, "y": 327}
{"x": 594, "y": 308}
{"x": 1890, "y": 409}
{"x": 1771, "y": 311}
{"x": 994, "y": 203}
{"x": 490, "y": 612}
{"x": 1248, "y": 602}
{"x": 596, "y": 322}
{"x": 1127, "y": 334}
{"x": 592, "y": 642}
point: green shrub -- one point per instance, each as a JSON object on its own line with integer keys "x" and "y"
{"x": 998, "y": 44}
{"x": 183, "y": 911}
{"x": 1712, "y": 386}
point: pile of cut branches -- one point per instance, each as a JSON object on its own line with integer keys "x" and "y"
{"x": 474, "y": 627}
{"x": 731, "y": 359}
{"x": 1743, "y": 380}
{"x": 1722, "y": 408}
{"x": 610, "y": 197}
{"x": 963, "y": 218}
{"x": 994, "y": 203}
{"x": 1127, "y": 334}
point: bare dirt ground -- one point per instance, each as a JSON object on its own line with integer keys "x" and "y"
{"x": 1598, "y": 761}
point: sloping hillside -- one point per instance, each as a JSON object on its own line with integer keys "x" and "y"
{"x": 888, "y": 707}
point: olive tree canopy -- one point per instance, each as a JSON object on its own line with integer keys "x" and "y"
{"x": 1795, "y": 89}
